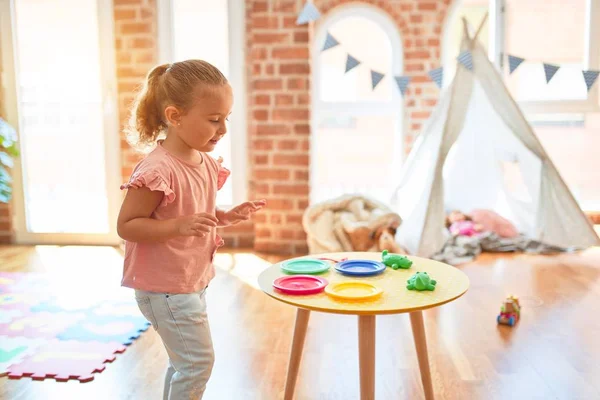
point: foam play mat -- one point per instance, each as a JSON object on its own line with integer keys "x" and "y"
{"x": 55, "y": 329}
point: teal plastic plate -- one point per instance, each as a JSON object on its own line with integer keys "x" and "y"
{"x": 305, "y": 266}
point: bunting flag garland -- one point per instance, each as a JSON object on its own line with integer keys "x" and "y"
{"x": 376, "y": 77}
{"x": 550, "y": 70}
{"x": 437, "y": 75}
{"x": 308, "y": 13}
{"x": 351, "y": 63}
{"x": 514, "y": 62}
{"x": 590, "y": 77}
{"x": 402, "y": 82}
{"x": 330, "y": 42}
{"x": 466, "y": 59}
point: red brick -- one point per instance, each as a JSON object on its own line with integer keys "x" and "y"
{"x": 301, "y": 176}
{"x": 290, "y": 159}
{"x": 260, "y": 6}
{"x": 287, "y": 234}
{"x": 284, "y": 6}
{"x": 262, "y": 144}
{"x": 135, "y": 27}
{"x": 287, "y": 145}
{"x": 142, "y": 43}
{"x": 297, "y": 83}
{"x": 262, "y": 233}
{"x": 420, "y": 114}
{"x": 293, "y": 114}
{"x": 268, "y": 38}
{"x": 147, "y": 13}
{"x": 426, "y": 6}
{"x": 415, "y": 126}
{"x": 293, "y": 189}
{"x": 262, "y": 99}
{"x": 293, "y": 218}
{"x": 275, "y": 174}
{"x": 302, "y": 129}
{"x": 303, "y": 98}
{"x": 260, "y": 115}
{"x": 433, "y": 42}
{"x": 416, "y": 18}
{"x": 290, "y": 22}
{"x": 273, "y": 247}
{"x": 261, "y": 159}
{"x": 124, "y": 87}
{"x": 290, "y": 53}
{"x": 302, "y": 204}
{"x": 270, "y": 69}
{"x": 144, "y": 57}
{"x": 301, "y": 37}
{"x": 260, "y": 218}
{"x": 124, "y": 57}
{"x": 259, "y": 53}
{"x": 417, "y": 54}
{"x": 262, "y": 189}
{"x": 429, "y": 102}
{"x": 124, "y": 14}
{"x": 272, "y": 129}
{"x": 414, "y": 67}
{"x": 296, "y": 68}
{"x": 284, "y": 99}
{"x": 264, "y": 22}
{"x": 124, "y": 2}
{"x": 281, "y": 204}
{"x": 267, "y": 84}
{"x": 256, "y": 69}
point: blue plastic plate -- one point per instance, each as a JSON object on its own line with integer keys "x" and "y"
{"x": 360, "y": 267}
{"x": 305, "y": 266}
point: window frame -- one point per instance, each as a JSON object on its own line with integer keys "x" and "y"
{"x": 237, "y": 132}
{"x": 359, "y": 108}
{"x": 497, "y": 53}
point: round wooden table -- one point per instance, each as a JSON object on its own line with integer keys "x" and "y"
{"x": 396, "y": 299}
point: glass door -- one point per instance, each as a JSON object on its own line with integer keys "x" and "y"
{"x": 60, "y": 79}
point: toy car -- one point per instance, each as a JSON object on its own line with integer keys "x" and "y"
{"x": 510, "y": 311}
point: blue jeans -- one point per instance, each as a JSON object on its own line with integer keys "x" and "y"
{"x": 181, "y": 322}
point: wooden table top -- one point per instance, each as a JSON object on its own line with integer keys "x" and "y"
{"x": 396, "y": 298}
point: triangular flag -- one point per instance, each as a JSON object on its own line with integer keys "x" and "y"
{"x": 437, "y": 75}
{"x": 590, "y": 77}
{"x": 402, "y": 82}
{"x": 466, "y": 59}
{"x": 550, "y": 70}
{"x": 514, "y": 62}
{"x": 308, "y": 13}
{"x": 330, "y": 42}
{"x": 351, "y": 62}
{"x": 376, "y": 77}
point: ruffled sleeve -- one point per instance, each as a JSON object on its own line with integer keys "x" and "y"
{"x": 222, "y": 175}
{"x": 153, "y": 180}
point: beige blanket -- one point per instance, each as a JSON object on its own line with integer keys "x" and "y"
{"x": 350, "y": 223}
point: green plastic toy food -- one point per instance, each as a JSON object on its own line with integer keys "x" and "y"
{"x": 421, "y": 281}
{"x": 395, "y": 260}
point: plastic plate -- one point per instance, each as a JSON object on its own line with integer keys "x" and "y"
{"x": 360, "y": 267}
{"x": 300, "y": 284}
{"x": 305, "y": 266}
{"x": 353, "y": 290}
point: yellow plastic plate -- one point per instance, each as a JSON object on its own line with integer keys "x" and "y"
{"x": 353, "y": 290}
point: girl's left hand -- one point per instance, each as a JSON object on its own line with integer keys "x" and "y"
{"x": 242, "y": 212}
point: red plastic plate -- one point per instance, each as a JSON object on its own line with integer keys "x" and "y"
{"x": 300, "y": 284}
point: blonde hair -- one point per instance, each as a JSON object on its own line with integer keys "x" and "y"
{"x": 165, "y": 85}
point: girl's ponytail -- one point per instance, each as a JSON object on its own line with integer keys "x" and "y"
{"x": 146, "y": 121}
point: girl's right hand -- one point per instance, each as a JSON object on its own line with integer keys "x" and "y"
{"x": 195, "y": 225}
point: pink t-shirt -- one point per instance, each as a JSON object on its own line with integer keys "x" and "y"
{"x": 182, "y": 264}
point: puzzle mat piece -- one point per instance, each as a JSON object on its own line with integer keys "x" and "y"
{"x": 106, "y": 329}
{"x": 16, "y": 282}
{"x": 21, "y": 301}
{"x": 14, "y": 350}
{"x": 9, "y": 315}
{"x": 40, "y": 325}
{"x": 64, "y": 360}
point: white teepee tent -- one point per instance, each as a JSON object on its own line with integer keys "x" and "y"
{"x": 476, "y": 137}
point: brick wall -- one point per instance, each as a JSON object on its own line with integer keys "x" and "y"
{"x": 279, "y": 102}
{"x": 6, "y": 234}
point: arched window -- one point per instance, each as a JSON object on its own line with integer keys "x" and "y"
{"x": 357, "y": 144}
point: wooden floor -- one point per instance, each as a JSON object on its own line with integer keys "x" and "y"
{"x": 553, "y": 353}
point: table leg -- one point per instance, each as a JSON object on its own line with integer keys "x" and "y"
{"x": 302, "y": 317}
{"x": 418, "y": 329}
{"x": 366, "y": 356}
